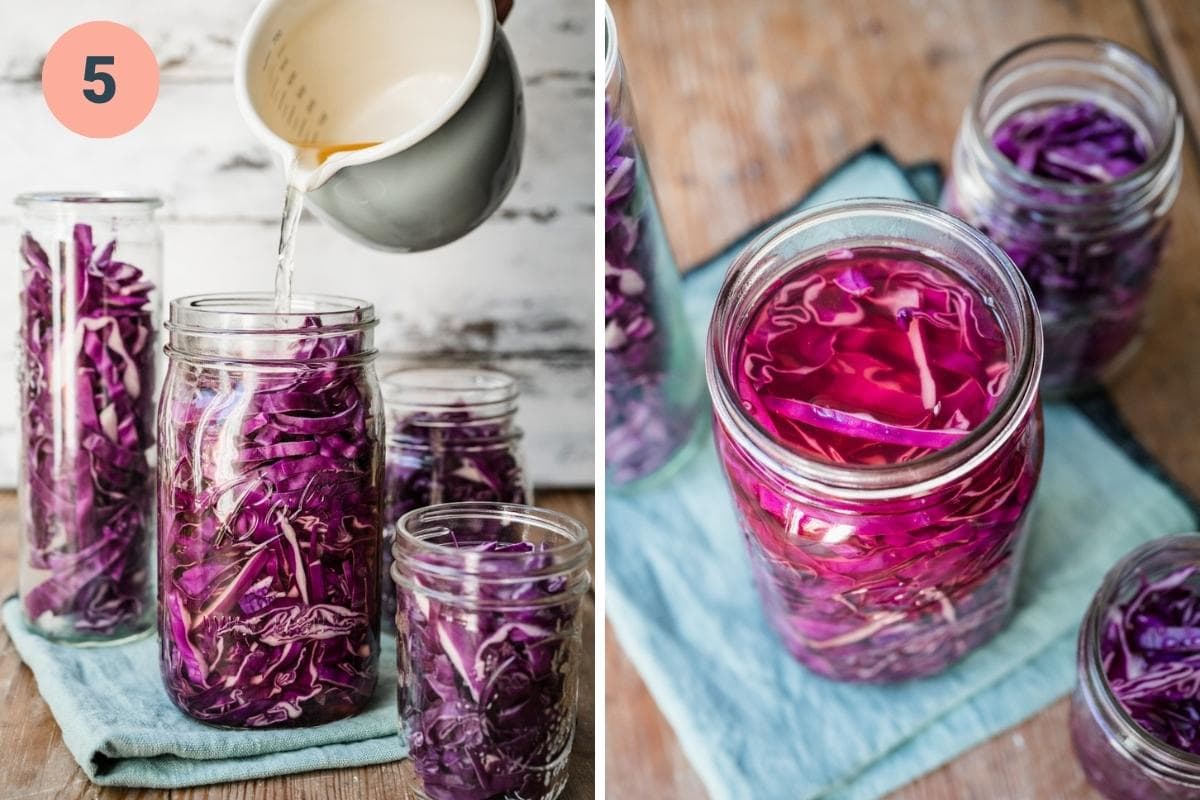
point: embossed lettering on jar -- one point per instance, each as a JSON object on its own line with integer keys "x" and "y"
{"x": 874, "y": 370}
{"x": 1069, "y": 158}
{"x": 270, "y": 510}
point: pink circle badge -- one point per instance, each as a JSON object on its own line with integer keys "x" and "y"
{"x": 100, "y": 79}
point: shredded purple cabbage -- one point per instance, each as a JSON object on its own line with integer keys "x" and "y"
{"x": 488, "y": 673}
{"x": 1091, "y": 285}
{"x": 448, "y": 457}
{"x": 1150, "y": 649}
{"x": 87, "y": 485}
{"x": 873, "y": 358}
{"x": 646, "y": 419}
{"x": 269, "y": 537}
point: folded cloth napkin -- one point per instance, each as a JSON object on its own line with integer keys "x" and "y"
{"x": 120, "y": 726}
{"x": 753, "y": 722}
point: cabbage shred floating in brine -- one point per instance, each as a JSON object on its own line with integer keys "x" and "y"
{"x": 488, "y": 672}
{"x": 1150, "y": 650}
{"x": 873, "y": 358}
{"x": 270, "y": 525}
{"x": 87, "y": 383}
{"x": 642, "y": 427}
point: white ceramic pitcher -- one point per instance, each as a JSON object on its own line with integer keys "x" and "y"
{"x": 405, "y": 117}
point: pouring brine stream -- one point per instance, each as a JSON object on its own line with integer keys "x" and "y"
{"x": 296, "y": 175}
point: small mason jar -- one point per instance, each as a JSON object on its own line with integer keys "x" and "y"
{"x": 653, "y": 383}
{"x": 451, "y": 437}
{"x": 881, "y": 572}
{"x": 1121, "y": 759}
{"x": 488, "y": 600}
{"x": 89, "y": 309}
{"x": 1090, "y": 250}
{"x": 270, "y": 510}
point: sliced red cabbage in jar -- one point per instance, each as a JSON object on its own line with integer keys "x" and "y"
{"x": 488, "y": 672}
{"x": 1091, "y": 285}
{"x": 447, "y": 457}
{"x": 269, "y": 539}
{"x": 872, "y": 358}
{"x": 1150, "y": 651}
{"x": 87, "y": 381}
{"x": 648, "y": 415}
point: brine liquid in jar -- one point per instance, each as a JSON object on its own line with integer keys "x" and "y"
{"x": 872, "y": 357}
{"x": 874, "y": 371}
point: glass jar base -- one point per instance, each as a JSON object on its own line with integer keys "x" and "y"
{"x": 414, "y": 787}
{"x": 72, "y": 640}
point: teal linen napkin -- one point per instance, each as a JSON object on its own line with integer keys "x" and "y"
{"x": 752, "y": 721}
{"x": 120, "y": 726}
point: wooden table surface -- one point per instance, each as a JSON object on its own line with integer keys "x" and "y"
{"x": 743, "y": 105}
{"x": 35, "y": 763}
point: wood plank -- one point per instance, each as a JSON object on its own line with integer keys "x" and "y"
{"x": 35, "y": 763}
{"x": 1175, "y": 26}
{"x": 742, "y": 112}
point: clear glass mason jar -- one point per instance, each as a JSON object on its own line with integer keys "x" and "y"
{"x": 90, "y": 306}
{"x": 1089, "y": 251}
{"x": 488, "y": 648}
{"x": 270, "y": 510}
{"x": 1121, "y": 759}
{"x": 653, "y": 383}
{"x": 883, "y": 572}
{"x": 451, "y": 437}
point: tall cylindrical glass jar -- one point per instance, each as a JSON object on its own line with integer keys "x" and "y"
{"x": 270, "y": 510}
{"x": 1069, "y": 158}
{"x": 451, "y": 437}
{"x": 488, "y": 648}
{"x": 1123, "y": 759}
{"x": 874, "y": 371}
{"x": 90, "y": 304}
{"x": 653, "y": 383}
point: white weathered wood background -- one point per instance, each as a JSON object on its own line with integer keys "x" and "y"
{"x": 516, "y": 294}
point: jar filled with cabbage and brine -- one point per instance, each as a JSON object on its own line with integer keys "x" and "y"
{"x": 874, "y": 371}
{"x": 653, "y": 381}
{"x": 89, "y": 309}
{"x": 1135, "y": 713}
{"x": 451, "y": 437}
{"x": 489, "y": 648}
{"x": 270, "y": 510}
{"x": 1069, "y": 158}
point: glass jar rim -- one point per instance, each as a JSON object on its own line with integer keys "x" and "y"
{"x": 30, "y": 200}
{"x": 448, "y": 387}
{"x": 252, "y": 313}
{"x": 610, "y": 44}
{"x": 1089, "y": 642}
{"x": 869, "y": 482}
{"x": 1112, "y": 52}
{"x": 413, "y": 532}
